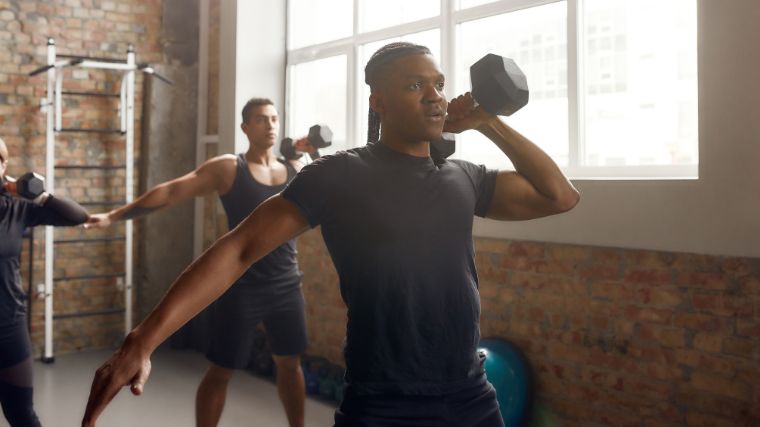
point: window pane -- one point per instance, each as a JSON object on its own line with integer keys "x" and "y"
{"x": 431, "y": 39}
{"x": 536, "y": 39}
{"x": 317, "y": 94}
{"x": 375, "y": 14}
{"x": 640, "y": 83}
{"x": 312, "y": 22}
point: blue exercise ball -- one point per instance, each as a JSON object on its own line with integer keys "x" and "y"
{"x": 508, "y": 370}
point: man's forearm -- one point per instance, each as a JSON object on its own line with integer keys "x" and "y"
{"x": 529, "y": 160}
{"x": 155, "y": 199}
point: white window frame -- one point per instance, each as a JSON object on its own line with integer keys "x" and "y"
{"x": 447, "y": 23}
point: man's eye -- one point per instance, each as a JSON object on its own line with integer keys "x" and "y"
{"x": 440, "y": 85}
{"x": 416, "y": 85}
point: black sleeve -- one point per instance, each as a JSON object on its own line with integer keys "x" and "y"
{"x": 311, "y": 188}
{"x": 58, "y": 211}
{"x": 483, "y": 182}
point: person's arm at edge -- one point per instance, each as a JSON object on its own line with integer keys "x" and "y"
{"x": 274, "y": 222}
{"x": 69, "y": 212}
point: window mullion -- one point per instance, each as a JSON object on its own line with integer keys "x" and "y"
{"x": 448, "y": 44}
{"x": 575, "y": 83}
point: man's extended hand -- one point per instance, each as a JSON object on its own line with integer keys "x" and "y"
{"x": 129, "y": 366}
{"x": 101, "y": 220}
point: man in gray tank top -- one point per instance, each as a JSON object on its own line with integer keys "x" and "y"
{"x": 269, "y": 291}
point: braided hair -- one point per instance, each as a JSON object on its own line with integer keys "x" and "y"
{"x": 375, "y": 68}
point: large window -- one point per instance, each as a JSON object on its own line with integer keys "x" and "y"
{"x": 613, "y": 83}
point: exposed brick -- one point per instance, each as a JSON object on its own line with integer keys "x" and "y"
{"x": 662, "y": 335}
{"x": 611, "y": 290}
{"x": 650, "y": 277}
{"x": 713, "y": 404}
{"x": 526, "y": 250}
{"x": 721, "y": 385}
{"x": 748, "y": 328}
{"x": 706, "y": 362}
{"x": 703, "y": 280}
{"x": 739, "y": 347}
{"x": 696, "y": 419}
{"x": 709, "y": 342}
{"x": 648, "y": 314}
{"x": 660, "y": 296}
{"x": 698, "y": 322}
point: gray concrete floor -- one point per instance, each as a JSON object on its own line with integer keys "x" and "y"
{"x": 61, "y": 390}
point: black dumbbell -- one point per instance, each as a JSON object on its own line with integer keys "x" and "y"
{"x": 320, "y": 136}
{"x": 499, "y": 86}
{"x": 29, "y": 186}
{"x": 443, "y": 147}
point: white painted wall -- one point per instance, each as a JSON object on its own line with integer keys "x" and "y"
{"x": 251, "y": 63}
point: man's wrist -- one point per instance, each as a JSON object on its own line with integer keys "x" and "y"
{"x": 491, "y": 125}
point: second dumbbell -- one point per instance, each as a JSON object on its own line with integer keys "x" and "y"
{"x": 320, "y": 136}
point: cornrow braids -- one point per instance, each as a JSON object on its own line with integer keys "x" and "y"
{"x": 373, "y": 70}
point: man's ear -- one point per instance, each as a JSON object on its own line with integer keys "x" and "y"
{"x": 376, "y": 103}
{"x": 243, "y": 126}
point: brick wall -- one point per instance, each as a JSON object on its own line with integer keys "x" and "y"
{"x": 80, "y": 27}
{"x": 615, "y": 337}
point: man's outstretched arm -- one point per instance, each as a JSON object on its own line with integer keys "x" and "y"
{"x": 273, "y": 223}
{"x": 204, "y": 180}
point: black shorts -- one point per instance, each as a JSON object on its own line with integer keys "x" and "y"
{"x": 474, "y": 406}
{"x": 236, "y": 314}
{"x": 15, "y": 345}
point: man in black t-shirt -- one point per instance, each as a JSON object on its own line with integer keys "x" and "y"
{"x": 398, "y": 225}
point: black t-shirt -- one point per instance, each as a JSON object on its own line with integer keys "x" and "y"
{"x": 277, "y": 273}
{"x": 399, "y": 231}
{"x": 15, "y": 216}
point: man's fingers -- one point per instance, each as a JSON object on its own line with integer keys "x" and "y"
{"x": 104, "y": 388}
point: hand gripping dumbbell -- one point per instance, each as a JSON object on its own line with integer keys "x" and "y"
{"x": 498, "y": 86}
{"x": 29, "y": 186}
{"x": 320, "y": 136}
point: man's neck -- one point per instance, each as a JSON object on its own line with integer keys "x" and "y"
{"x": 259, "y": 155}
{"x": 412, "y": 148}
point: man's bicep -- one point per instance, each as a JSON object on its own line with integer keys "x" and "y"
{"x": 271, "y": 224}
{"x": 515, "y": 198}
{"x": 202, "y": 181}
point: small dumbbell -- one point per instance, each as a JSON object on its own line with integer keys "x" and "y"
{"x": 498, "y": 86}
{"x": 320, "y": 136}
{"x": 443, "y": 147}
{"x": 29, "y": 186}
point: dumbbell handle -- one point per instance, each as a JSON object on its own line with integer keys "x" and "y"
{"x": 302, "y": 145}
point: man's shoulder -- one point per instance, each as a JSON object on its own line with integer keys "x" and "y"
{"x": 341, "y": 157}
{"x": 224, "y": 162}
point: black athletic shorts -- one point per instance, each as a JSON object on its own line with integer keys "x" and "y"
{"x": 474, "y": 406}
{"x": 15, "y": 345}
{"x": 236, "y": 314}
